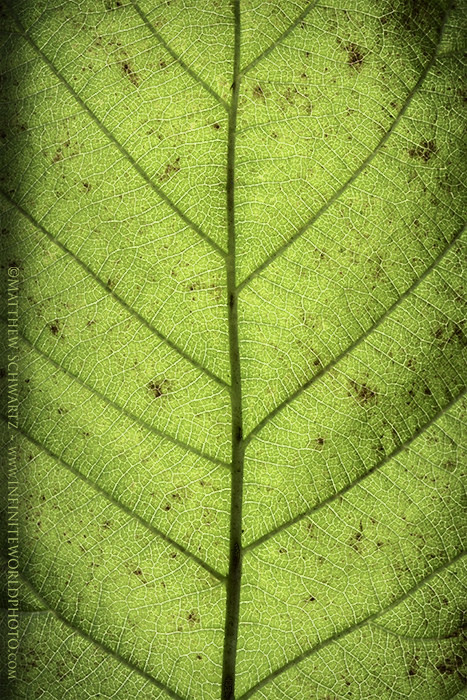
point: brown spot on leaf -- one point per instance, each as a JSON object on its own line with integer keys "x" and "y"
{"x": 363, "y": 393}
{"x": 170, "y": 169}
{"x": 450, "y": 665}
{"x": 355, "y": 56}
{"x": 193, "y": 617}
{"x": 159, "y": 388}
{"x": 424, "y": 151}
{"x": 450, "y": 333}
{"x": 55, "y": 327}
{"x": 413, "y": 666}
{"x": 130, "y": 73}
{"x": 258, "y": 93}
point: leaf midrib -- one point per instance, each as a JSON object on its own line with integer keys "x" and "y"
{"x": 233, "y": 583}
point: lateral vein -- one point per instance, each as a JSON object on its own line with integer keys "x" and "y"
{"x": 367, "y": 161}
{"x": 121, "y": 506}
{"x": 350, "y": 348}
{"x": 177, "y": 58}
{"x": 348, "y": 630}
{"x": 128, "y": 414}
{"x": 103, "y": 647}
{"x": 114, "y": 295}
{"x": 281, "y": 38}
{"x": 134, "y": 163}
{"x": 345, "y": 489}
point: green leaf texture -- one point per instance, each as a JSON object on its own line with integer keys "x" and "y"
{"x": 239, "y": 229}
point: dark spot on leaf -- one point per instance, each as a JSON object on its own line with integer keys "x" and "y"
{"x": 282, "y": 551}
{"x": 355, "y": 56}
{"x": 159, "y": 388}
{"x": 55, "y": 328}
{"x": 424, "y": 151}
{"x": 457, "y": 334}
{"x": 216, "y": 126}
{"x": 450, "y": 333}
{"x": 170, "y": 169}
{"x": 57, "y": 157}
{"x": 198, "y": 656}
{"x": 193, "y": 617}
{"x": 413, "y": 666}
{"x": 320, "y": 441}
{"x": 357, "y": 538}
{"x": 310, "y": 599}
{"x": 167, "y": 507}
{"x": 130, "y": 73}
{"x": 258, "y": 93}
{"x": 363, "y": 393}
{"x": 289, "y": 95}
{"x": 449, "y": 666}
{"x": 87, "y": 186}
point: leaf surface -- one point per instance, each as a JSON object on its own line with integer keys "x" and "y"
{"x": 240, "y": 236}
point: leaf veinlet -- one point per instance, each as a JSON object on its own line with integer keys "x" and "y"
{"x": 236, "y": 498}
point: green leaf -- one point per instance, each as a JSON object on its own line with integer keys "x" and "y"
{"x": 239, "y": 231}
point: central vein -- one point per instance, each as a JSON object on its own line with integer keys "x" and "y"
{"x": 235, "y": 555}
